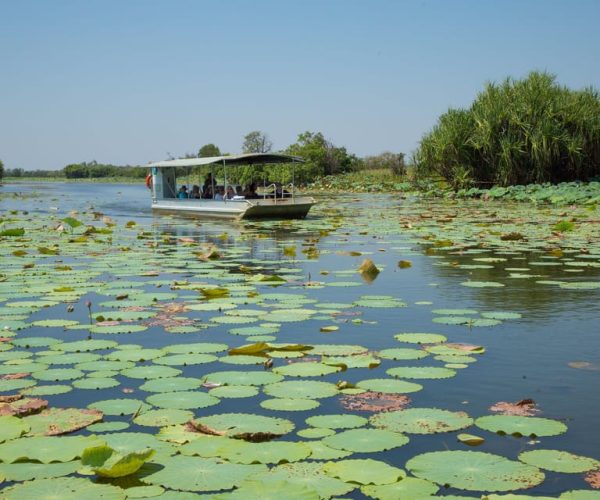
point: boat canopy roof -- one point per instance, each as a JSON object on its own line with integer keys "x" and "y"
{"x": 232, "y": 160}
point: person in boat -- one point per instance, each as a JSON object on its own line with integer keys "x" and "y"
{"x": 183, "y": 192}
{"x": 230, "y": 193}
{"x": 250, "y": 192}
{"x": 219, "y": 195}
{"x": 208, "y": 183}
{"x": 195, "y": 194}
{"x": 280, "y": 192}
{"x": 207, "y": 193}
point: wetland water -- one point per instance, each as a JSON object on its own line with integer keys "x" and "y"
{"x": 516, "y": 301}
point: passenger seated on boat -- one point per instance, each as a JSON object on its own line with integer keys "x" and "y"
{"x": 183, "y": 193}
{"x": 195, "y": 194}
{"x": 230, "y": 193}
{"x": 219, "y": 195}
{"x": 208, "y": 183}
{"x": 207, "y": 193}
{"x": 250, "y": 192}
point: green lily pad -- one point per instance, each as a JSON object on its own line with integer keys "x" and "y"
{"x": 320, "y": 451}
{"x": 26, "y": 471}
{"x": 246, "y": 425}
{"x": 408, "y": 487}
{"x": 271, "y": 490}
{"x": 45, "y": 449}
{"x": 135, "y": 354}
{"x": 96, "y": 383}
{"x": 402, "y": 354}
{"x": 163, "y": 417}
{"x": 265, "y": 453}
{"x": 55, "y": 421}
{"x": 242, "y": 378}
{"x": 559, "y": 461}
{"x": 108, "y": 426}
{"x": 117, "y": 329}
{"x": 234, "y": 391}
{"x": 119, "y": 406}
{"x": 85, "y": 345}
{"x": 308, "y": 369}
{"x": 421, "y": 372}
{"x": 195, "y": 348}
{"x": 171, "y": 384}
{"x": 315, "y": 432}
{"x": 305, "y": 389}
{"x": 366, "y": 440}
{"x": 28, "y": 342}
{"x": 47, "y": 390}
{"x": 421, "y": 420}
{"x": 201, "y": 474}
{"x": 289, "y": 404}
{"x": 521, "y": 426}
{"x": 186, "y": 359}
{"x": 183, "y": 400}
{"x": 474, "y": 470}
{"x": 65, "y": 488}
{"x": 341, "y": 421}
{"x": 389, "y": 385}
{"x": 337, "y": 350}
{"x": 148, "y": 372}
{"x": 482, "y": 284}
{"x": 12, "y": 428}
{"x": 106, "y": 462}
{"x": 58, "y": 374}
{"x": 363, "y": 471}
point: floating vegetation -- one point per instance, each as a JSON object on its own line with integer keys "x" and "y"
{"x": 197, "y": 359}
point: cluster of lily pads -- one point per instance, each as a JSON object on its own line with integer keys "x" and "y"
{"x": 143, "y": 361}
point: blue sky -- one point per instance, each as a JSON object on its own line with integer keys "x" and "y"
{"x": 130, "y": 81}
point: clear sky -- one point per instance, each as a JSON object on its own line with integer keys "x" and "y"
{"x": 130, "y": 81}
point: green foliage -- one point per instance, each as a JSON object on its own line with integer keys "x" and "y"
{"x": 394, "y": 162}
{"x": 94, "y": 170}
{"x": 516, "y": 132}
{"x": 1, "y": 170}
{"x": 209, "y": 150}
{"x": 256, "y": 142}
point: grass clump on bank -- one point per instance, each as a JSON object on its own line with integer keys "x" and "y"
{"x": 517, "y": 132}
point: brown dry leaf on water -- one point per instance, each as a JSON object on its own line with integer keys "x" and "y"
{"x": 13, "y": 376}
{"x": 22, "y": 406}
{"x": 523, "y": 408}
{"x": 584, "y": 365}
{"x": 368, "y": 270}
{"x": 374, "y": 401}
{"x": 593, "y": 479}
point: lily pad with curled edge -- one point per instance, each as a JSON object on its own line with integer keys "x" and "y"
{"x": 234, "y": 391}
{"x": 195, "y": 348}
{"x": 119, "y": 407}
{"x": 171, "y": 384}
{"x": 275, "y": 452}
{"x": 366, "y": 440}
{"x": 420, "y": 372}
{"x": 306, "y": 473}
{"x": 402, "y": 353}
{"x": 357, "y": 361}
{"x": 12, "y": 427}
{"x": 65, "y": 488}
{"x": 84, "y": 345}
{"x": 117, "y": 329}
{"x": 186, "y": 359}
{"x": 163, "y": 417}
{"x": 455, "y": 349}
{"x": 339, "y": 421}
{"x": 303, "y": 389}
{"x": 470, "y": 439}
{"x": 482, "y": 284}
{"x": 242, "y": 377}
{"x": 148, "y": 372}
{"x": 107, "y": 462}
{"x": 474, "y": 471}
{"x": 408, "y": 487}
{"x": 54, "y": 323}
{"x": 308, "y": 369}
{"x": 244, "y": 426}
{"x": 274, "y": 490}
{"x": 137, "y": 355}
{"x": 289, "y": 404}
{"x": 420, "y": 338}
{"x": 363, "y": 471}
{"x": 421, "y": 420}
{"x": 46, "y": 449}
{"x": 25, "y": 471}
{"x": 521, "y": 426}
{"x": 47, "y": 390}
{"x": 337, "y": 350}
{"x": 559, "y": 461}
{"x": 55, "y": 421}
{"x": 182, "y": 400}
{"x": 201, "y": 474}
{"x": 389, "y": 385}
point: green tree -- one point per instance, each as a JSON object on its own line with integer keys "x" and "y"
{"x": 517, "y": 132}
{"x": 387, "y": 160}
{"x": 208, "y": 150}
{"x": 256, "y": 142}
{"x": 1, "y": 170}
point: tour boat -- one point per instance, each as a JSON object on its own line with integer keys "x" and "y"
{"x": 274, "y": 201}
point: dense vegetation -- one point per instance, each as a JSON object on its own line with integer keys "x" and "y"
{"x": 516, "y": 132}
{"x": 1, "y": 170}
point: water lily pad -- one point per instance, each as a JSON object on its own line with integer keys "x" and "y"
{"x": 521, "y": 426}
{"x": 46, "y": 449}
{"x": 96, "y": 383}
{"x": 559, "y": 461}
{"x": 303, "y": 389}
{"x": 117, "y": 329}
{"x": 320, "y": 451}
{"x": 195, "y": 348}
{"x": 85, "y": 345}
{"x": 339, "y": 421}
{"x": 163, "y": 417}
{"x": 28, "y": 342}
{"x": 148, "y": 372}
{"x": 201, "y": 474}
{"x": 25, "y": 471}
{"x": 106, "y": 462}
{"x": 186, "y": 359}
{"x": 289, "y": 404}
{"x": 271, "y": 490}
{"x": 337, "y": 350}
{"x": 421, "y": 420}
{"x": 307, "y": 369}
{"x": 12, "y": 428}
{"x": 482, "y": 284}
{"x": 315, "y": 432}
{"x": 58, "y": 374}
{"x": 408, "y": 487}
{"x": 274, "y": 452}
{"x": 242, "y": 378}
{"x": 54, "y": 323}
{"x": 402, "y": 354}
{"x": 234, "y": 391}
{"x": 474, "y": 470}
{"x": 389, "y": 385}
{"x": 245, "y": 425}
{"x": 171, "y": 384}
{"x": 420, "y": 372}
{"x": 366, "y": 440}
{"x": 65, "y": 488}
{"x": 183, "y": 400}
{"x": 363, "y": 471}
{"x": 55, "y": 421}
{"x": 108, "y": 426}
{"x": 119, "y": 406}
{"x": 135, "y": 354}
